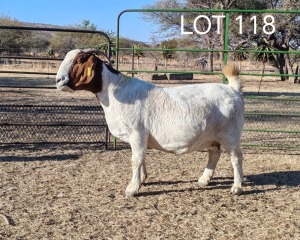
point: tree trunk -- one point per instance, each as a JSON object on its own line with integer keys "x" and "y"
{"x": 288, "y": 65}
{"x": 296, "y": 77}
{"x": 210, "y": 46}
{"x": 281, "y": 63}
{"x": 186, "y": 63}
{"x": 211, "y": 61}
{"x": 286, "y": 71}
{"x": 263, "y": 72}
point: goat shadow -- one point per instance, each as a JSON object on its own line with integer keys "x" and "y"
{"x": 56, "y": 157}
{"x": 54, "y": 152}
{"x": 285, "y": 178}
{"x": 277, "y": 179}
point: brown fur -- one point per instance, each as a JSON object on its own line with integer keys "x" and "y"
{"x": 231, "y": 70}
{"x": 79, "y": 79}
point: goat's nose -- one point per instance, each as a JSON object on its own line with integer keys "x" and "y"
{"x": 61, "y": 78}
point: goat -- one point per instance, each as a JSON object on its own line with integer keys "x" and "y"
{"x": 176, "y": 119}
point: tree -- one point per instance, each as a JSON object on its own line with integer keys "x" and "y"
{"x": 170, "y": 23}
{"x": 167, "y": 53}
{"x": 265, "y": 55}
{"x": 50, "y": 52}
{"x": 138, "y": 53}
{"x": 13, "y": 41}
{"x": 286, "y": 37}
{"x": 87, "y": 25}
{"x": 241, "y": 53}
{"x": 64, "y": 42}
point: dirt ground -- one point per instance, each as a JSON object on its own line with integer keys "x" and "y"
{"x": 77, "y": 192}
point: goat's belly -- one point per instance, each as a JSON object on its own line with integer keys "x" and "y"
{"x": 177, "y": 145}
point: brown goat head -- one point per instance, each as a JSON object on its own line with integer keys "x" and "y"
{"x": 86, "y": 73}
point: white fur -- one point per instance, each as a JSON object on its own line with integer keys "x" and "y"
{"x": 179, "y": 120}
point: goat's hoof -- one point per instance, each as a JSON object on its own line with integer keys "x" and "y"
{"x": 129, "y": 195}
{"x": 236, "y": 190}
{"x": 143, "y": 177}
{"x": 202, "y": 182}
{"x": 131, "y": 190}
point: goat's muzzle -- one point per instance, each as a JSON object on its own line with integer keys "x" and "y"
{"x": 62, "y": 84}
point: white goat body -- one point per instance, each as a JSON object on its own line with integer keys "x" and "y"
{"x": 179, "y": 119}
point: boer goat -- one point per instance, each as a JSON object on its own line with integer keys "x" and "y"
{"x": 178, "y": 119}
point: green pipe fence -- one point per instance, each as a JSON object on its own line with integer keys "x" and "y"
{"x": 208, "y": 73}
{"x": 270, "y": 122}
{"x": 205, "y": 50}
{"x": 178, "y": 10}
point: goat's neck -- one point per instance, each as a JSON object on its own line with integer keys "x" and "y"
{"x": 110, "y": 82}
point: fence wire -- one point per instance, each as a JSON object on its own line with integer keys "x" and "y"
{"x": 52, "y": 123}
{"x": 269, "y": 122}
{"x": 272, "y": 122}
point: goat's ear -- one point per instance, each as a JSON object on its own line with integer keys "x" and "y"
{"x": 90, "y": 74}
{"x": 87, "y": 70}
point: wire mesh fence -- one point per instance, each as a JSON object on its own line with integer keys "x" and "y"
{"x": 52, "y": 123}
{"x": 272, "y": 122}
{"x": 269, "y": 122}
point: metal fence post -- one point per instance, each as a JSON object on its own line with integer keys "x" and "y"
{"x": 132, "y": 62}
{"x": 226, "y": 40}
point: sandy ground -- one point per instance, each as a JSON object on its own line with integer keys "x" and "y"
{"x": 76, "y": 191}
{"x": 73, "y": 192}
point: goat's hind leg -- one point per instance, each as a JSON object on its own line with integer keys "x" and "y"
{"x": 214, "y": 154}
{"x": 237, "y": 163}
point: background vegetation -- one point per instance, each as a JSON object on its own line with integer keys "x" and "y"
{"x": 285, "y": 38}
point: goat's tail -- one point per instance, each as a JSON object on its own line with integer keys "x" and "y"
{"x": 231, "y": 72}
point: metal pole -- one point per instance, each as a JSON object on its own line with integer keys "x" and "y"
{"x": 226, "y": 40}
{"x": 132, "y": 63}
{"x": 63, "y": 30}
{"x": 106, "y": 137}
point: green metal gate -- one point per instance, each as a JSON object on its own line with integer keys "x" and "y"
{"x": 271, "y": 121}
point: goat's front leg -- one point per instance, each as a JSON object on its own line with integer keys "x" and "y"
{"x": 143, "y": 171}
{"x": 138, "y": 146}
